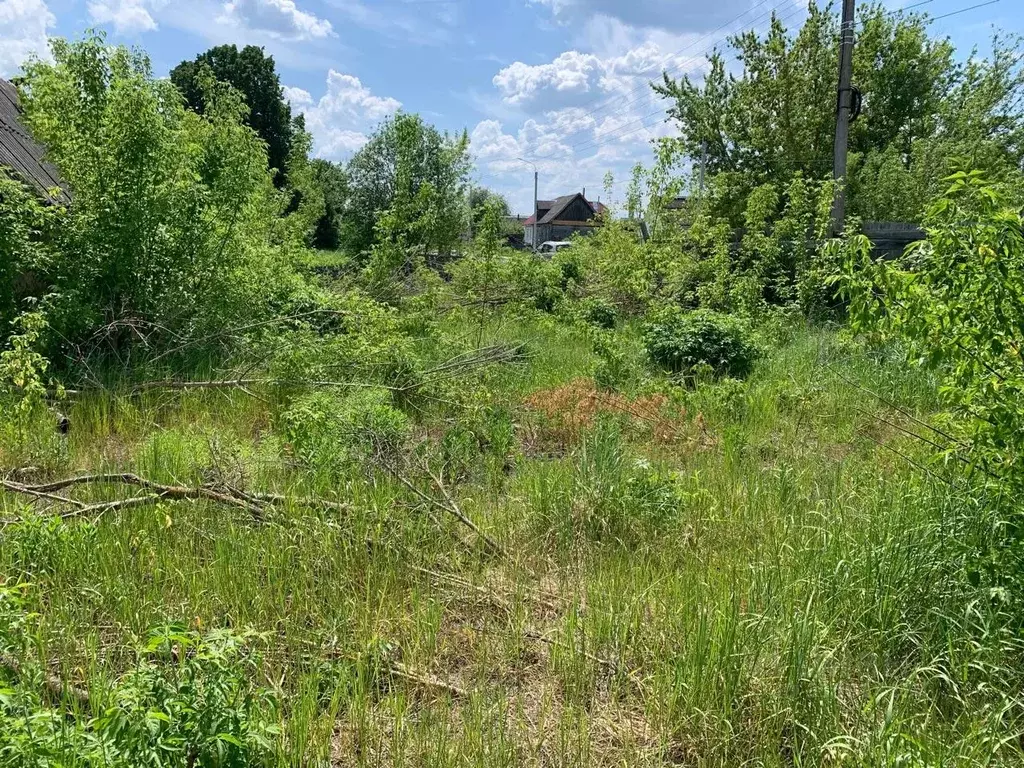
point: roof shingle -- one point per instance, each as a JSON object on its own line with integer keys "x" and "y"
{"x": 23, "y": 154}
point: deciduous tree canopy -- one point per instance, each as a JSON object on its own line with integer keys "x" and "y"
{"x": 409, "y": 163}
{"x": 922, "y": 109}
{"x": 251, "y": 72}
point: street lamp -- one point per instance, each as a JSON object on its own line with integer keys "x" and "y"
{"x": 535, "y": 209}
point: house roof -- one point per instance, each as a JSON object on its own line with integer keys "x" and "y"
{"x": 543, "y": 206}
{"x": 559, "y": 205}
{"x": 23, "y": 154}
{"x": 549, "y": 210}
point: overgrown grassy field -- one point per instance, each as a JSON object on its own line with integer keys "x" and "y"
{"x": 727, "y": 573}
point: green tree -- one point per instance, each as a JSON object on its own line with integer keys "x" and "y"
{"x": 480, "y": 200}
{"x": 410, "y": 165}
{"x": 921, "y": 110}
{"x": 176, "y": 229}
{"x": 956, "y": 303}
{"x": 333, "y": 183}
{"x": 253, "y": 74}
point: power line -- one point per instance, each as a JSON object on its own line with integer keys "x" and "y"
{"x": 614, "y": 100}
{"x": 596, "y": 144}
{"x": 963, "y": 10}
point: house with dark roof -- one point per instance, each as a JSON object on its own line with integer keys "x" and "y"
{"x": 562, "y": 217}
{"x": 23, "y": 155}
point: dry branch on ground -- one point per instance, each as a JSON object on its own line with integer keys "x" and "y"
{"x": 256, "y": 504}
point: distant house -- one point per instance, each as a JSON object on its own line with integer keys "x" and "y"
{"x": 562, "y": 217}
{"x": 22, "y": 154}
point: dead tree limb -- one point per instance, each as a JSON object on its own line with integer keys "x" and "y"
{"x": 448, "y": 505}
{"x": 28, "y": 490}
{"x": 427, "y": 681}
{"x": 256, "y": 504}
{"x": 53, "y": 684}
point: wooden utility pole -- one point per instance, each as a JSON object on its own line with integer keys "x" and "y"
{"x": 844, "y": 110}
{"x": 536, "y": 176}
{"x": 535, "y": 209}
{"x": 703, "y": 165}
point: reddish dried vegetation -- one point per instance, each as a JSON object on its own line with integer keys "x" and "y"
{"x": 566, "y": 412}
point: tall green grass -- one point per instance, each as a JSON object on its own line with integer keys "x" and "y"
{"x": 789, "y": 590}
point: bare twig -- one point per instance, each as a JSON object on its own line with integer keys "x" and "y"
{"x": 448, "y": 505}
{"x": 255, "y": 504}
{"x": 53, "y": 684}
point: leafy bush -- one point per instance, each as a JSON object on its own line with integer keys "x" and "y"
{"x": 331, "y": 432}
{"x": 683, "y": 342}
{"x": 956, "y": 302}
{"x": 615, "y": 366}
{"x": 176, "y": 230}
{"x": 509, "y": 277}
{"x": 27, "y": 228}
{"x": 189, "y": 700}
{"x": 600, "y": 313}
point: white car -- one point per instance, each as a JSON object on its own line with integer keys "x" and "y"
{"x": 551, "y": 247}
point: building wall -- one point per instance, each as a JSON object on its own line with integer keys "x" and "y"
{"x": 560, "y": 231}
{"x": 577, "y": 211}
{"x": 553, "y": 232}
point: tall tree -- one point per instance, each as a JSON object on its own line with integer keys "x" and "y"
{"x": 921, "y": 109}
{"x": 333, "y": 182}
{"x": 481, "y": 200}
{"x": 252, "y": 73}
{"x": 418, "y": 173}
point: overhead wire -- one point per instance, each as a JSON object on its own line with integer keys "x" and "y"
{"x": 615, "y": 100}
{"x": 618, "y": 135}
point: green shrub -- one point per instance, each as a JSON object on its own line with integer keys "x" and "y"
{"x": 27, "y": 227}
{"x": 509, "y": 277}
{"x": 176, "y": 231}
{"x": 189, "y": 699}
{"x": 330, "y": 432}
{"x": 615, "y": 361}
{"x": 686, "y": 342}
{"x": 600, "y": 313}
{"x": 955, "y": 305}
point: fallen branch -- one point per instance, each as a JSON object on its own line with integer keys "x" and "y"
{"x": 52, "y": 683}
{"x": 427, "y": 681}
{"x": 256, "y": 504}
{"x": 543, "y": 599}
{"x": 28, "y": 490}
{"x": 448, "y": 505}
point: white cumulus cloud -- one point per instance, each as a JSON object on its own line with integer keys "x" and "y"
{"x": 340, "y": 119}
{"x": 281, "y": 19}
{"x": 571, "y": 73}
{"x": 579, "y": 115}
{"x": 124, "y": 15}
{"x": 23, "y": 26}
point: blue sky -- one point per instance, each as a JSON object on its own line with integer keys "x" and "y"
{"x": 561, "y": 82}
